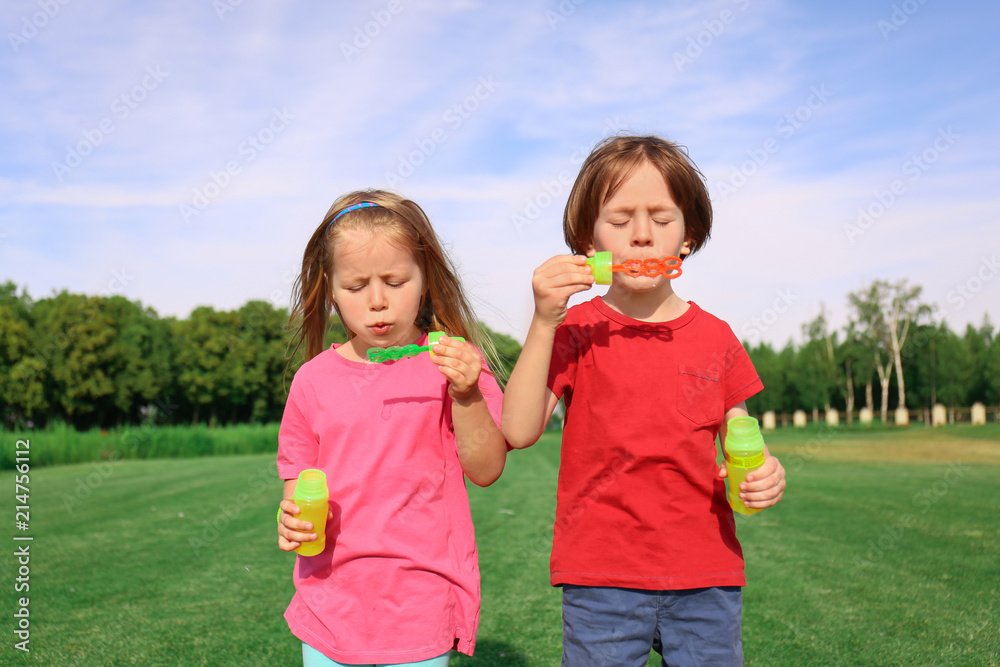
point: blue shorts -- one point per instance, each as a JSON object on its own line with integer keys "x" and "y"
{"x": 313, "y": 658}
{"x": 616, "y": 627}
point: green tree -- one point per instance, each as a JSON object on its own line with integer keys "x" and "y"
{"x": 507, "y": 349}
{"x": 22, "y": 374}
{"x": 905, "y": 310}
{"x": 851, "y": 357}
{"x": 138, "y": 356}
{"x": 769, "y": 369}
{"x": 75, "y": 337}
{"x": 869, "y": 312}
{"x": 106, "y": 357}
{"x": 991, "y": 366}
{"x": 260, "y": 347}
{"x": 201, "y": 346}
{"x": 978, "y": 343}
{"x": 817, "y": 363}
{"x": 938, "y": 366}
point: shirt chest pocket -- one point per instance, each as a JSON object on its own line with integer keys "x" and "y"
{"x": 699, "y": 395}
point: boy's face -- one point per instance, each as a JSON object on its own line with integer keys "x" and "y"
{"x": 641, "y": 221}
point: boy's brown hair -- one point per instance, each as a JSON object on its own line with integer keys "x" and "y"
{"x": 610, "y": 164}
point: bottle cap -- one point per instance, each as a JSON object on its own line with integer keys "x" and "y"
{"x": 311, "y": 482}
{"x": 600, "y": 264}
{"x": 743, "y": 436}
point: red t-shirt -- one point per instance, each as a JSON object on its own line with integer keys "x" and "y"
{"x": 640, "y": 504}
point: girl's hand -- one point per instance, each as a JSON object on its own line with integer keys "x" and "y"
{"x": 764, "y": 486}
{"x": 293, "y": 532}
{"x": 461, "y": 364}
{"x": 554, "y": 282}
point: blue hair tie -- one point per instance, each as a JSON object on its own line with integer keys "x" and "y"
{"x": 352, "y": 207}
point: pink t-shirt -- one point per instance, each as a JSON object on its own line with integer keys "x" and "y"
{"x": 639, "y": 502}
{"x": 398, "y": 580}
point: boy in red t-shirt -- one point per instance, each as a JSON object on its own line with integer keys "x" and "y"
{"x": 645, "y": 543}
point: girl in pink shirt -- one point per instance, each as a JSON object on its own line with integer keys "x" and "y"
{"x": 398, "y": 580}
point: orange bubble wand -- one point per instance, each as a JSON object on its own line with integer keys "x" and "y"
{"x": 602, "y": 266}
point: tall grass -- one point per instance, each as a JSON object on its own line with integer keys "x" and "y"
{"x": 60, "y": 444}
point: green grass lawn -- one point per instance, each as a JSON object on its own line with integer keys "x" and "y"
{"x": 887, "y": 561}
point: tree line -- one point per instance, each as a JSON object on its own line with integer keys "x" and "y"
{"x": 892, "y": 353}
{"x": 105, "y": 361}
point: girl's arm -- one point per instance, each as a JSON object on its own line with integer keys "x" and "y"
{"x": 482, "y": 450}
{"x": 528, "y": 402}
{"x": 765, "y": 485}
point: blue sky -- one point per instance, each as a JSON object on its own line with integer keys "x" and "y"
{"x": 182, "y": 154}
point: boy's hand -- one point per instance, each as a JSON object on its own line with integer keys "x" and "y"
{"x": 293, "y": 532}
{"x": 554, "y": 282}
{"x": 764, "y": 486}
{"x": 461, "y": 364}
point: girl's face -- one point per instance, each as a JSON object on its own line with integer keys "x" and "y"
{"x": 377, "y": 286}
{"x": 641, "y": 221}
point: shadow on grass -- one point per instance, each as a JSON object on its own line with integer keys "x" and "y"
{"x": 490, "y": 652}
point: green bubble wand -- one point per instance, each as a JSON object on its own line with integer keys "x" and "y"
{"x": 380, "y": 354}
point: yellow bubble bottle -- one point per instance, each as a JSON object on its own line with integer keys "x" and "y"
{"x": 312, "y": 498}
{"x": 744, "y": 448}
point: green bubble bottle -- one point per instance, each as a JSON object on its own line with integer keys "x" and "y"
{"x": 312, "y": 498}
{"x": 744, "y": 453}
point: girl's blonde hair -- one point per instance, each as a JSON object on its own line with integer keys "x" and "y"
{"x": 445, "y": 306}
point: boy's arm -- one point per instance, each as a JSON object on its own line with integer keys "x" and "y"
{"x": 765, "y": 485}
{"x": 528, "y": 402}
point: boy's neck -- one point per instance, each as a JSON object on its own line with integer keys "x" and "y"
{"x": 658, "y": 305}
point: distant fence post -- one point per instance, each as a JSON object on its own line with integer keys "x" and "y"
{"x": 769, "y": 421}
{"x": 799, "y": 419}
{"x": 866, "y": 416}
{"x": 939, "y": 415}
{"x": 902, "y": 417}
{"x": 978, "y": 414}
{"x": 832, "y": 417}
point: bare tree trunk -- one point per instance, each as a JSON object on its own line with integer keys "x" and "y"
{"x": 897, "y": 339}
{"x": 869, "y": 398}
{"x": 884, "y": 375}
{"x": 850, "y": 393}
